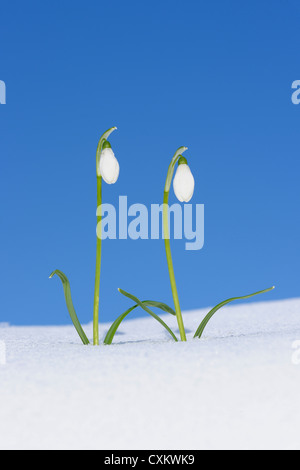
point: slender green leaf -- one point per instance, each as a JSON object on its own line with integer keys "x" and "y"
{"x": 143, "y": 305}
{"x": 217, "y": 307}
{"x": 161, "y": 305}
{"x": 152, "y": 303}
{"x": 113, "y": 329}
{"x": 68, "y": 297}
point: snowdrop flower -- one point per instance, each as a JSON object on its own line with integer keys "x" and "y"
{"x": 183, "y": 183}
{"x": 109, "y": 167}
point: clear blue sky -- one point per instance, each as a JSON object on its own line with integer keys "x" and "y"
{"x": 215, "y": 76}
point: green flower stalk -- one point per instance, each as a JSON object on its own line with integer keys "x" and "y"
{"x": 184, "y": 188}
{"x": 107, "y": 168}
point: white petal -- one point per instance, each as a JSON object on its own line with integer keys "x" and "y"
{"x": 109, "y": 166}
{"x": 183, "y": 183}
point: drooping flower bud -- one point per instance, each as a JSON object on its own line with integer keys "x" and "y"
{"x": 183, "y": 183}
{"x": 109, "y": 167}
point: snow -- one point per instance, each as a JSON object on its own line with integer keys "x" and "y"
{"x": 236, "y": 388}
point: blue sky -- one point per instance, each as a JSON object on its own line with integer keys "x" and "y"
{"x": 214, "y": 76}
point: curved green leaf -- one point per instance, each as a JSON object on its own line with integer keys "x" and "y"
{"x": 143, "y": 305}
{"x": 68, "y": 297}
{"x": 161, "y": 305}
{"x": 113, "y": 329}
{"x": 217, "y": 307}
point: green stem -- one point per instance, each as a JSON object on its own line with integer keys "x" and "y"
{"x": 170, "y": 266}
{"x": 102, "y": 139}
{"x": 98, "y": 267}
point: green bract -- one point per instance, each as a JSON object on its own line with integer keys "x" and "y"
{"x": 170, "y": 173}
{"x": 102, "y": 139}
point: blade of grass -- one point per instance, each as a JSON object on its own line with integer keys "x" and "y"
{"x": 152, "y": 303}
{"x": 144, "y": 307}
{"x": 113, "y": 329}
{"x": 217, "y": 307}
{"x": 161, "y": 305}
{"x": 68, "y": 297}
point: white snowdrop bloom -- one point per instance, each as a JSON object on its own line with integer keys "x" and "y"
{"x": 109, "y": 167}
{"x": 183, "y": 183}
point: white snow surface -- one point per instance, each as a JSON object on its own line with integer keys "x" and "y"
{"x": 236, "y": 388}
